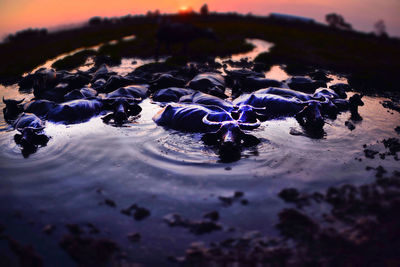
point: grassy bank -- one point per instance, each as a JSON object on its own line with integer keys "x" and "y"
{"x": 371, "y": 62}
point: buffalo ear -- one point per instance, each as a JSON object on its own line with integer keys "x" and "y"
{"x": 108, "y": 103}
{"x": 134, "y": 109}
{"x": 41, "y": 139}
{"x": 17, "y": 138}
{"x": 250, "y": 140}
{"x": 210, "y": 138}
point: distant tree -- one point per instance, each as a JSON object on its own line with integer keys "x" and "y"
{"x": 154, "y": 14}
{"x": 28, "y": 34}
{"x": 149, "y": 14}
{"x": 95, "y": 21}
{"x": 337, "y": 21}
{"x": 204, "y": 10}
{"x": 380, "y": 28}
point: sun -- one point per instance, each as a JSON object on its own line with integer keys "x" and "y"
{"x": 185, "y": 10}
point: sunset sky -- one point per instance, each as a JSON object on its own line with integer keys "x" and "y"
{"x": 362, "y": 14}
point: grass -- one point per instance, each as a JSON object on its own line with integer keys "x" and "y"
{"x": 73, "y": 61}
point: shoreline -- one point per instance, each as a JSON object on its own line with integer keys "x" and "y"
{"x": 370, "y": 62}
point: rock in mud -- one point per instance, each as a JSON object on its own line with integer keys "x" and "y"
{"x": 289, "y": 194}
{"x": 139, "y": 213}
{"x": 227, "y": 201}
{"x": 110, "y": 202}
{"x": 134, "y": 237}
{"x": 397, "y": 129}
{"x": 196, "y": 227}
{"x": 391, "y": 105}
{"x": 213, "y": 215}
{"x": 361, "y": 226}
{"x": 74, "y": 229}
{"x": 238, "y": 194}
{"x": 49, "y": 229}
{"x": 350, "y": 125}
{"x": 26, "y": 255}
{"x": 392, "y": 144}
{"x": 369, "y": 153}
{"x": 244, "y": 202}
{"x": 297, "y": 225}
{"x": 88, "y": 251}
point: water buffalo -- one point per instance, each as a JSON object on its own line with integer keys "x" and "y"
{"x": 43, "y": 80}
{"x": 310, "y": 116}
{"x": 115, "y": 82}
{"x": 98, "y": 84}
{"x": 352, "y": 104}
{"x": 220, "y": 129}
{"x": 326, "y": 92}
{"x": 210, "y": 83}
{"x": 324, "y": 95}
{"x": 39, "y": 107}
{"x": 52, "y": 85}
{"x": 304, "y": 84}
{"x": 31, "y": 133}
{"x": 341, "y": 89}
{"x": 206, "y": 99}
{"x": 166, "y": 80}
{"x": 276, "y": 106}
{"x": 73, "y": 80}
{"x": 253, "y": 83}
{"x": 85, "y": 92}
{"x": 235, "y": 78}
{"x": 137, "y": 92}
{"x": 13, "y": 108}
{"x": 103, "y": 72}
{"x": 171, "y": 94}
{"x": 75, "y": 111}
{"x": 122, "y": 108}
{"x": 285, "y": 93}
{"x": 241, "y": 74}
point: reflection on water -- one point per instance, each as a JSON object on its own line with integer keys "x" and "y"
{"x": 277, "y": 73}
{"x": 260, "y": 46}
{"x": 95, "y": 48}
{"x": 168, "y": 171}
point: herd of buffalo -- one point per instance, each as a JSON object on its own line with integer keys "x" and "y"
{"x": 195, "y": 98}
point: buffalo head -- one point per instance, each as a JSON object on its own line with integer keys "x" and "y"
{"x": 355, "y": 101}
{"x": 122, "y": 108}
{"x": 30, "y": 138}
{"x": 43, "y": 79}
{"x": 230, "y": 137}
{"x": 326, "y": 106}
{"x": 13, "y": 108}
{"x": 310, "y": 116}
{"x": 248, "y": 113}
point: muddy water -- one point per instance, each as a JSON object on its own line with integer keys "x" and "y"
{"x": 168, "y": 171}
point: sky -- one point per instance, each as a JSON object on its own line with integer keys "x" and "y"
{"x": 362, "y": 14}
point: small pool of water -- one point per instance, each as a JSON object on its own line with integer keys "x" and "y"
{"x": 168, "y": 171}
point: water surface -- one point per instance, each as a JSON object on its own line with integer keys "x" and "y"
{"x": 168, "y": 171}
